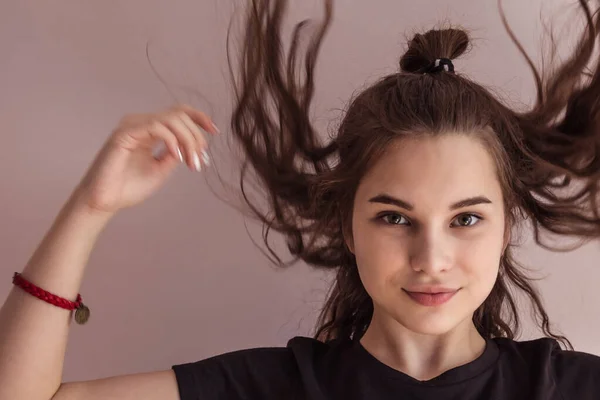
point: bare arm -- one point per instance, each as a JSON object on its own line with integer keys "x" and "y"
{"x": 33, "y": 333}
{"x": 149, "y": 386}
{"x": 34, "y": 337}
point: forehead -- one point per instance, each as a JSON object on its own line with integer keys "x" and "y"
{"x": 434, "y": 169}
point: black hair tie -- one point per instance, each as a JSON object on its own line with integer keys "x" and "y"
{"x": 441, "y": 64}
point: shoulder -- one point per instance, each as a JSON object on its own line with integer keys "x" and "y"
{"x": 574, "y": 372}
{"x": 269, "y": 372}
{"x": 549, "y": 351}
{"x": 577, "y": 372}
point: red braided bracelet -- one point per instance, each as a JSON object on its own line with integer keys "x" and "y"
{"x": 82, "y": 313}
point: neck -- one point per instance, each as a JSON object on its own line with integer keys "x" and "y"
{"x": 422, "y": 356}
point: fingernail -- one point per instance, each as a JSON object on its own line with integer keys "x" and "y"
{"x": 179, "y": 155}
{"x": 205, "y": 157}
{"x": 216, "y": 129}
{"x": 197, "y": 162}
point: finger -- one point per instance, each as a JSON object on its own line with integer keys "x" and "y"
{"x": 160, "y": 132}
{"x": 185, "y": 138}
{"x": 200, "y": 118}
{"x": 201, "y": 143}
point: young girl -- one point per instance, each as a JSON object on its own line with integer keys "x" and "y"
{"x": 411, "y": 203}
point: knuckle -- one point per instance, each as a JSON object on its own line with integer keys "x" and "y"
{"x": 155, "y": 125}
{"x": 188, "y": 109}
{"x": 178, "y": 114}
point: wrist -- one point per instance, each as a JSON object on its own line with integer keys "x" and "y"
{"x": 77, "y": 207}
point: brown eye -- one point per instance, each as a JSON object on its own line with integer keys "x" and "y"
{"x": 465, "y": 220}
{"x": 394, "y": 219}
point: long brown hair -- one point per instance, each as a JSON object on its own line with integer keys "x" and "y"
{"x": 548, "y": 158}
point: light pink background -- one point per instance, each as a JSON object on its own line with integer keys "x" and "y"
{"x": 178, "y": 279}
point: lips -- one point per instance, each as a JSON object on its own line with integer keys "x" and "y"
{"x": 431, "y": 298}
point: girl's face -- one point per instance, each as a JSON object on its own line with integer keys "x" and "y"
{"x": 428, "y": 232}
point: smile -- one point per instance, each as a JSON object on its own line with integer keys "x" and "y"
{"x": 431, "y": 299}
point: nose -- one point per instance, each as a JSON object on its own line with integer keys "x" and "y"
{"x": 431, "y": 253}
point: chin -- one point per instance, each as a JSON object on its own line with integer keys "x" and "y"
{"x": 430, "y": 320}
{"x": 434, "y": 324}
{"x": 435, "y": 320}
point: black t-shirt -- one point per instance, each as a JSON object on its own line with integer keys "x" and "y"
{"x": 309, "y": 369}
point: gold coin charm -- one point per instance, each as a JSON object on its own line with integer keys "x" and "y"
{"x": 82, "y": 314}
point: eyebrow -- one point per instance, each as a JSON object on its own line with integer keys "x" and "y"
{"x": 387, "y": 199}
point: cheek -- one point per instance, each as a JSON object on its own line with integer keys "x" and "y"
{"x": 479, "y": 263}
{"x": 379, "y": 256}
{"x": 382, "y": 259}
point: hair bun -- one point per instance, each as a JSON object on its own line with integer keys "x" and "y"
{"x": 424, "y": 48}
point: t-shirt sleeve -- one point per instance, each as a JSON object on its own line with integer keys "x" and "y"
{"x": 577, "y": 374}
{"x": 268, "y": 373}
